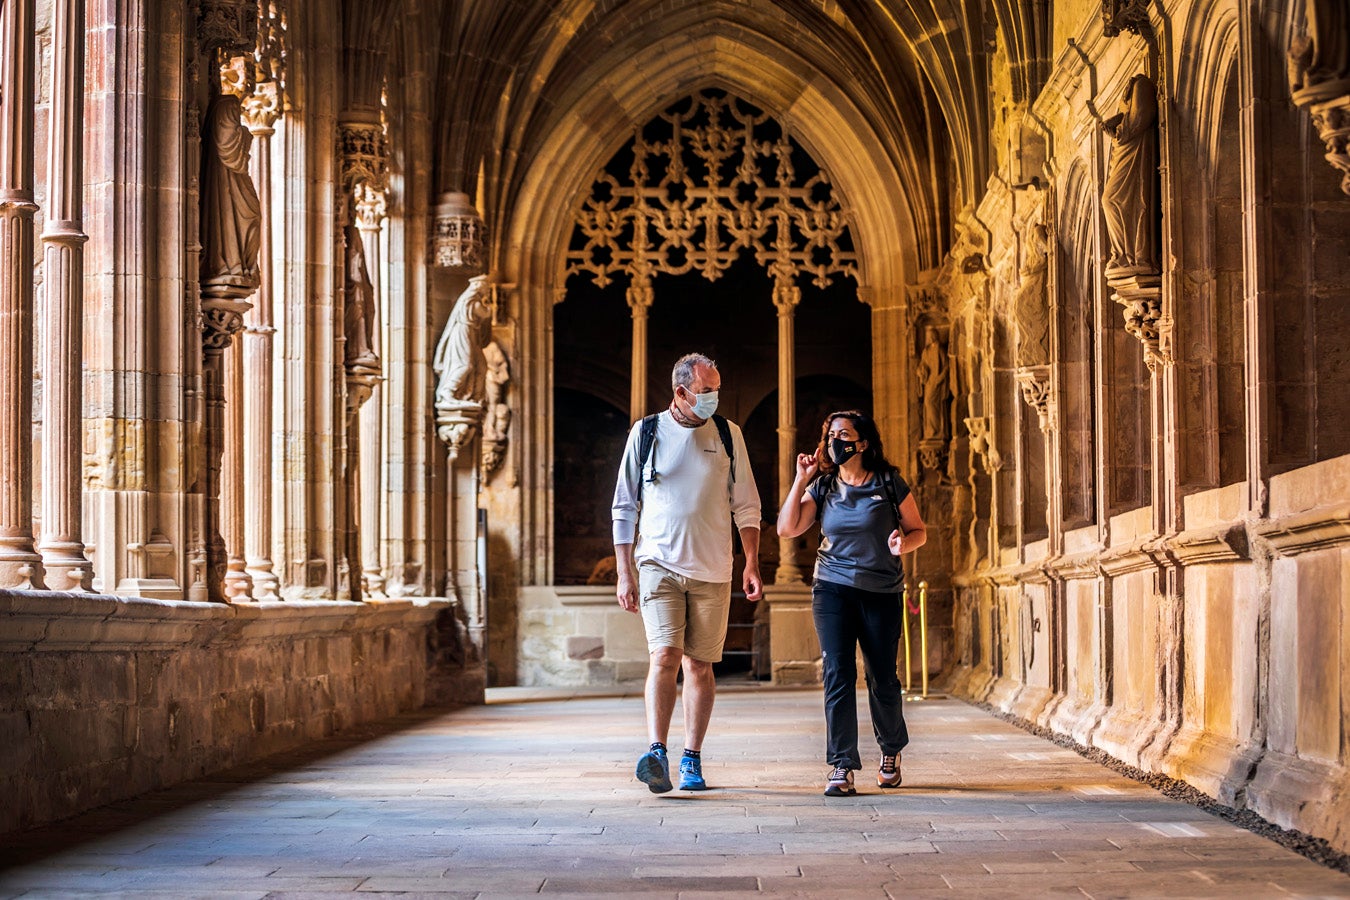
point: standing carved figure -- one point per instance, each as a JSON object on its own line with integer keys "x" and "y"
{"x": 359, "y": 316}
{"x": 459, "y": 353}
{"x": 231, "y": 215}
{"x": 1033, "y": 319}
{"x": 1130, "y": 197}
{"x": 496, "y": 412}
{"x": 933, "y": 379}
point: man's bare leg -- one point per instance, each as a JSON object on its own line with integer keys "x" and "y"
{"x": 699, "y": 692}
{"x": 662, "y": 670}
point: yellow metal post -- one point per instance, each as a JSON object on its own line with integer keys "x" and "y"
{"x": 923, "y": 634}
{"x": 904, "y": 618}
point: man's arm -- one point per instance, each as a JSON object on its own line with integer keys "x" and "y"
{"x": 746, "y": 513}
{"x": 750, "y": 580}
{"x": 624, "y": 510}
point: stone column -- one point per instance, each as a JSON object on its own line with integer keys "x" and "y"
{"x": 370, "y": 212}
{"x": 63, "y": 237}
{"x": 786, "y": 296}
{"x": 261, "y": 111}
{"x": 238, "y": 583}
{"x": 640, "y": 297}
{"x": 20, "y": 564}
{"x": 457, "y": 425}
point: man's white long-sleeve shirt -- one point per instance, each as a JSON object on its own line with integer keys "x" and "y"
{"x": 688, "y": 498}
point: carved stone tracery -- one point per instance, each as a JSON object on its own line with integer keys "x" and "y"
{"x": 750, "y": 197}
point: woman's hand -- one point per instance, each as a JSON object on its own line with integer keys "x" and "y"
{"x": 807, "y": 466}
{"x": 895, "y": 542}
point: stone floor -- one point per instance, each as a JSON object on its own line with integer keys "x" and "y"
{"x": 534, "y": 793}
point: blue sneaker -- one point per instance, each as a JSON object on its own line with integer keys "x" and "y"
{"x": 653, "y": 770}
{"x": 691, "y": 774}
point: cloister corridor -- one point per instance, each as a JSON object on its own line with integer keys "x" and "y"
{"x": 533, "y": 794}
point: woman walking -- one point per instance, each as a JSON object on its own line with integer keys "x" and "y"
{"x": 868, "y": 518}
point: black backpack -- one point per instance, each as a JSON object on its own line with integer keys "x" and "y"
{"x": 647, "y": 439}
{"x": 889, "y": 479}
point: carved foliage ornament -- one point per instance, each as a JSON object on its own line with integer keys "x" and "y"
{"x": 708, "y": 179}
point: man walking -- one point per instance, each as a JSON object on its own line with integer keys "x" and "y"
{"x": 685, "y": 475}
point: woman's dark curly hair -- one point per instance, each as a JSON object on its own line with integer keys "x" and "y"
{"x": 873, "y": 458}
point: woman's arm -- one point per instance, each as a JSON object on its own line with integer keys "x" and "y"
{"x": 912, "y": 533}
{"x": 799, "y": 509}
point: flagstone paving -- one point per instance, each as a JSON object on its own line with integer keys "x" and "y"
{"x": 534, "y": 794}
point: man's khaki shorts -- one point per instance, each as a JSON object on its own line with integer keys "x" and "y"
{"x": 682, "y": 612}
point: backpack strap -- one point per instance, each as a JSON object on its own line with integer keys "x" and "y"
{"x": 888, "y": 480}
{"x": 646, "y": 438}
{"x": 724, "y": 429}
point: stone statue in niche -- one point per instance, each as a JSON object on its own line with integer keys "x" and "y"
{"x": 1032, "y": 310}
{"x": 1320, "y": 56}
{"x": 459, "y": 354}
{"x": 496, "y": 412}
{"x": 359, "y": 316}
{"x": 231, "y": 215}
{"x": 933, "y": 372}
{"x": 1130, "y": 196}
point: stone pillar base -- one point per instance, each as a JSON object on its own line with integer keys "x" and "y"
{"x": 793, "y": 648}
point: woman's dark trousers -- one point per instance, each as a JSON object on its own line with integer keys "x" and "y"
{"x": 847, "y": 617}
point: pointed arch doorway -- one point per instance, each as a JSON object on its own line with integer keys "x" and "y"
{"x": 712, "y": 229}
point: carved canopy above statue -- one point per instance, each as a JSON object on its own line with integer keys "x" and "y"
{"x": 708, "y": 179}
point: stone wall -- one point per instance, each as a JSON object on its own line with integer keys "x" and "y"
{"x": 103, "y": 698}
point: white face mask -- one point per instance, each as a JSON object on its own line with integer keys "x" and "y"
{"x": 704, "y": 405}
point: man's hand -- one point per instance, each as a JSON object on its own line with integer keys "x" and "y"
{"x": 627, "y": 592}
{"x": 754, "y": 588}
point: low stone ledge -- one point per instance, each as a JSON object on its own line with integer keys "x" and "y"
{"x": 59, "y": 621}
{"x": 107, "y": 697}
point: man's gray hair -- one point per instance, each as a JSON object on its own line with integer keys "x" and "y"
{"x": 683, "y": 373}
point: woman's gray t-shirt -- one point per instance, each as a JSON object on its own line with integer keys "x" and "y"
{"x": 854, "y": 525}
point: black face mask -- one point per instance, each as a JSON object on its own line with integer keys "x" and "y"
{"x": 841, "y": 450}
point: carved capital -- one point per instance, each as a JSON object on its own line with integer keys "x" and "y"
{"x": 361, "y": 382}
{"x": 456, "y": 425}
{"x": 222, "y": 319}
{"x": 786, "y": 296}
{"x": 1332, "y": 121}
{"x": 1038, "y": 390}
{"x": 262, "y": 108}
{"x": 1141, "y": 299}
{"x": 1125, "y": 15}
{"x": 640, "y": 297}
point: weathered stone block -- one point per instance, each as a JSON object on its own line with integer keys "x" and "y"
{"x": 585, "y": 647}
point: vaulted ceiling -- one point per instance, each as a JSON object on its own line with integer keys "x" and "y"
{"x": 512, "y": 72}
